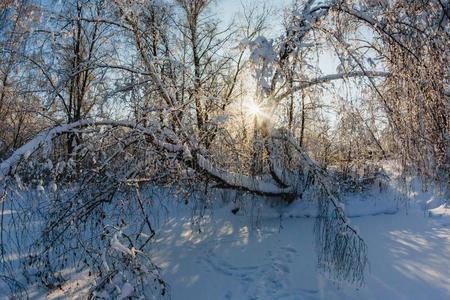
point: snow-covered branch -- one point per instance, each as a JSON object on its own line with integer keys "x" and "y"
{"x": 327, "y": 78}
{"x": 44, "y": 139}
{"x": 249, "y": 183}
{"x": 234, "y": 180}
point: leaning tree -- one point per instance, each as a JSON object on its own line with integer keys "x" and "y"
{"x": 101, "y": 183}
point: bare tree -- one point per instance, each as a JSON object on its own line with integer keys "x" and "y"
{"x": 185, "y": 128}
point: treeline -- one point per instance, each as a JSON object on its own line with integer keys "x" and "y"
{"x": 101, "y": 99}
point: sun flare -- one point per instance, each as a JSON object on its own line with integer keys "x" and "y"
{"x": 254, "y": 109}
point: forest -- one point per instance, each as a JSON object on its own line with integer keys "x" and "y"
{"x": 224, "y": 149}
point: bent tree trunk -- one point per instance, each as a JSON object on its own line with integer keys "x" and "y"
{"x": 341, "y": 249}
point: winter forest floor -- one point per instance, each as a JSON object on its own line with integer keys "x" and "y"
{"x": 409, "y": 259}
{"x": 269, "y": 253}
{"x": 409, "y": 255}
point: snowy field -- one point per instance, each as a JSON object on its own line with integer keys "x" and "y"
{"x": 409, "y": 259}
{"x": 263, "y": 252}
{"x": 409, "y": 255}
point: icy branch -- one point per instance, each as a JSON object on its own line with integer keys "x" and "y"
{"x": 328, "y": 78}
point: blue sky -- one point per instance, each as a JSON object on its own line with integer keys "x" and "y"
{"x": 227, "y": 9}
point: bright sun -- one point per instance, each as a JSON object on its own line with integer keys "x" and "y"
{"x": 253, "y": 109}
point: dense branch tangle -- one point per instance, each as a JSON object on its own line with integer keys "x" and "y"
{"x": 183, "y": 143}
{"x": 289, "y": 184}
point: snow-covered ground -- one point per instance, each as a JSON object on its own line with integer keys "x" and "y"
{"x": 264, "y": 252}
{"x": 409, "y": 255}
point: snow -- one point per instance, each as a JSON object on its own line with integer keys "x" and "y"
{"x": 44, "y": 139}
{"x": 329, "y": 78}
{"x": 267, "y": 251}
{"x": 40, "y": 188}
{"x": 126, "y": 291}
{"x": 441, "y": 214}
{"x": 441, "y": 211}
{"x": 409, "y": 257}
{"x": 117, "y": 245}
{"x": 237, "y": 180}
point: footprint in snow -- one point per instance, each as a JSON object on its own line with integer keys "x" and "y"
{"x": 269, "y": 280}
